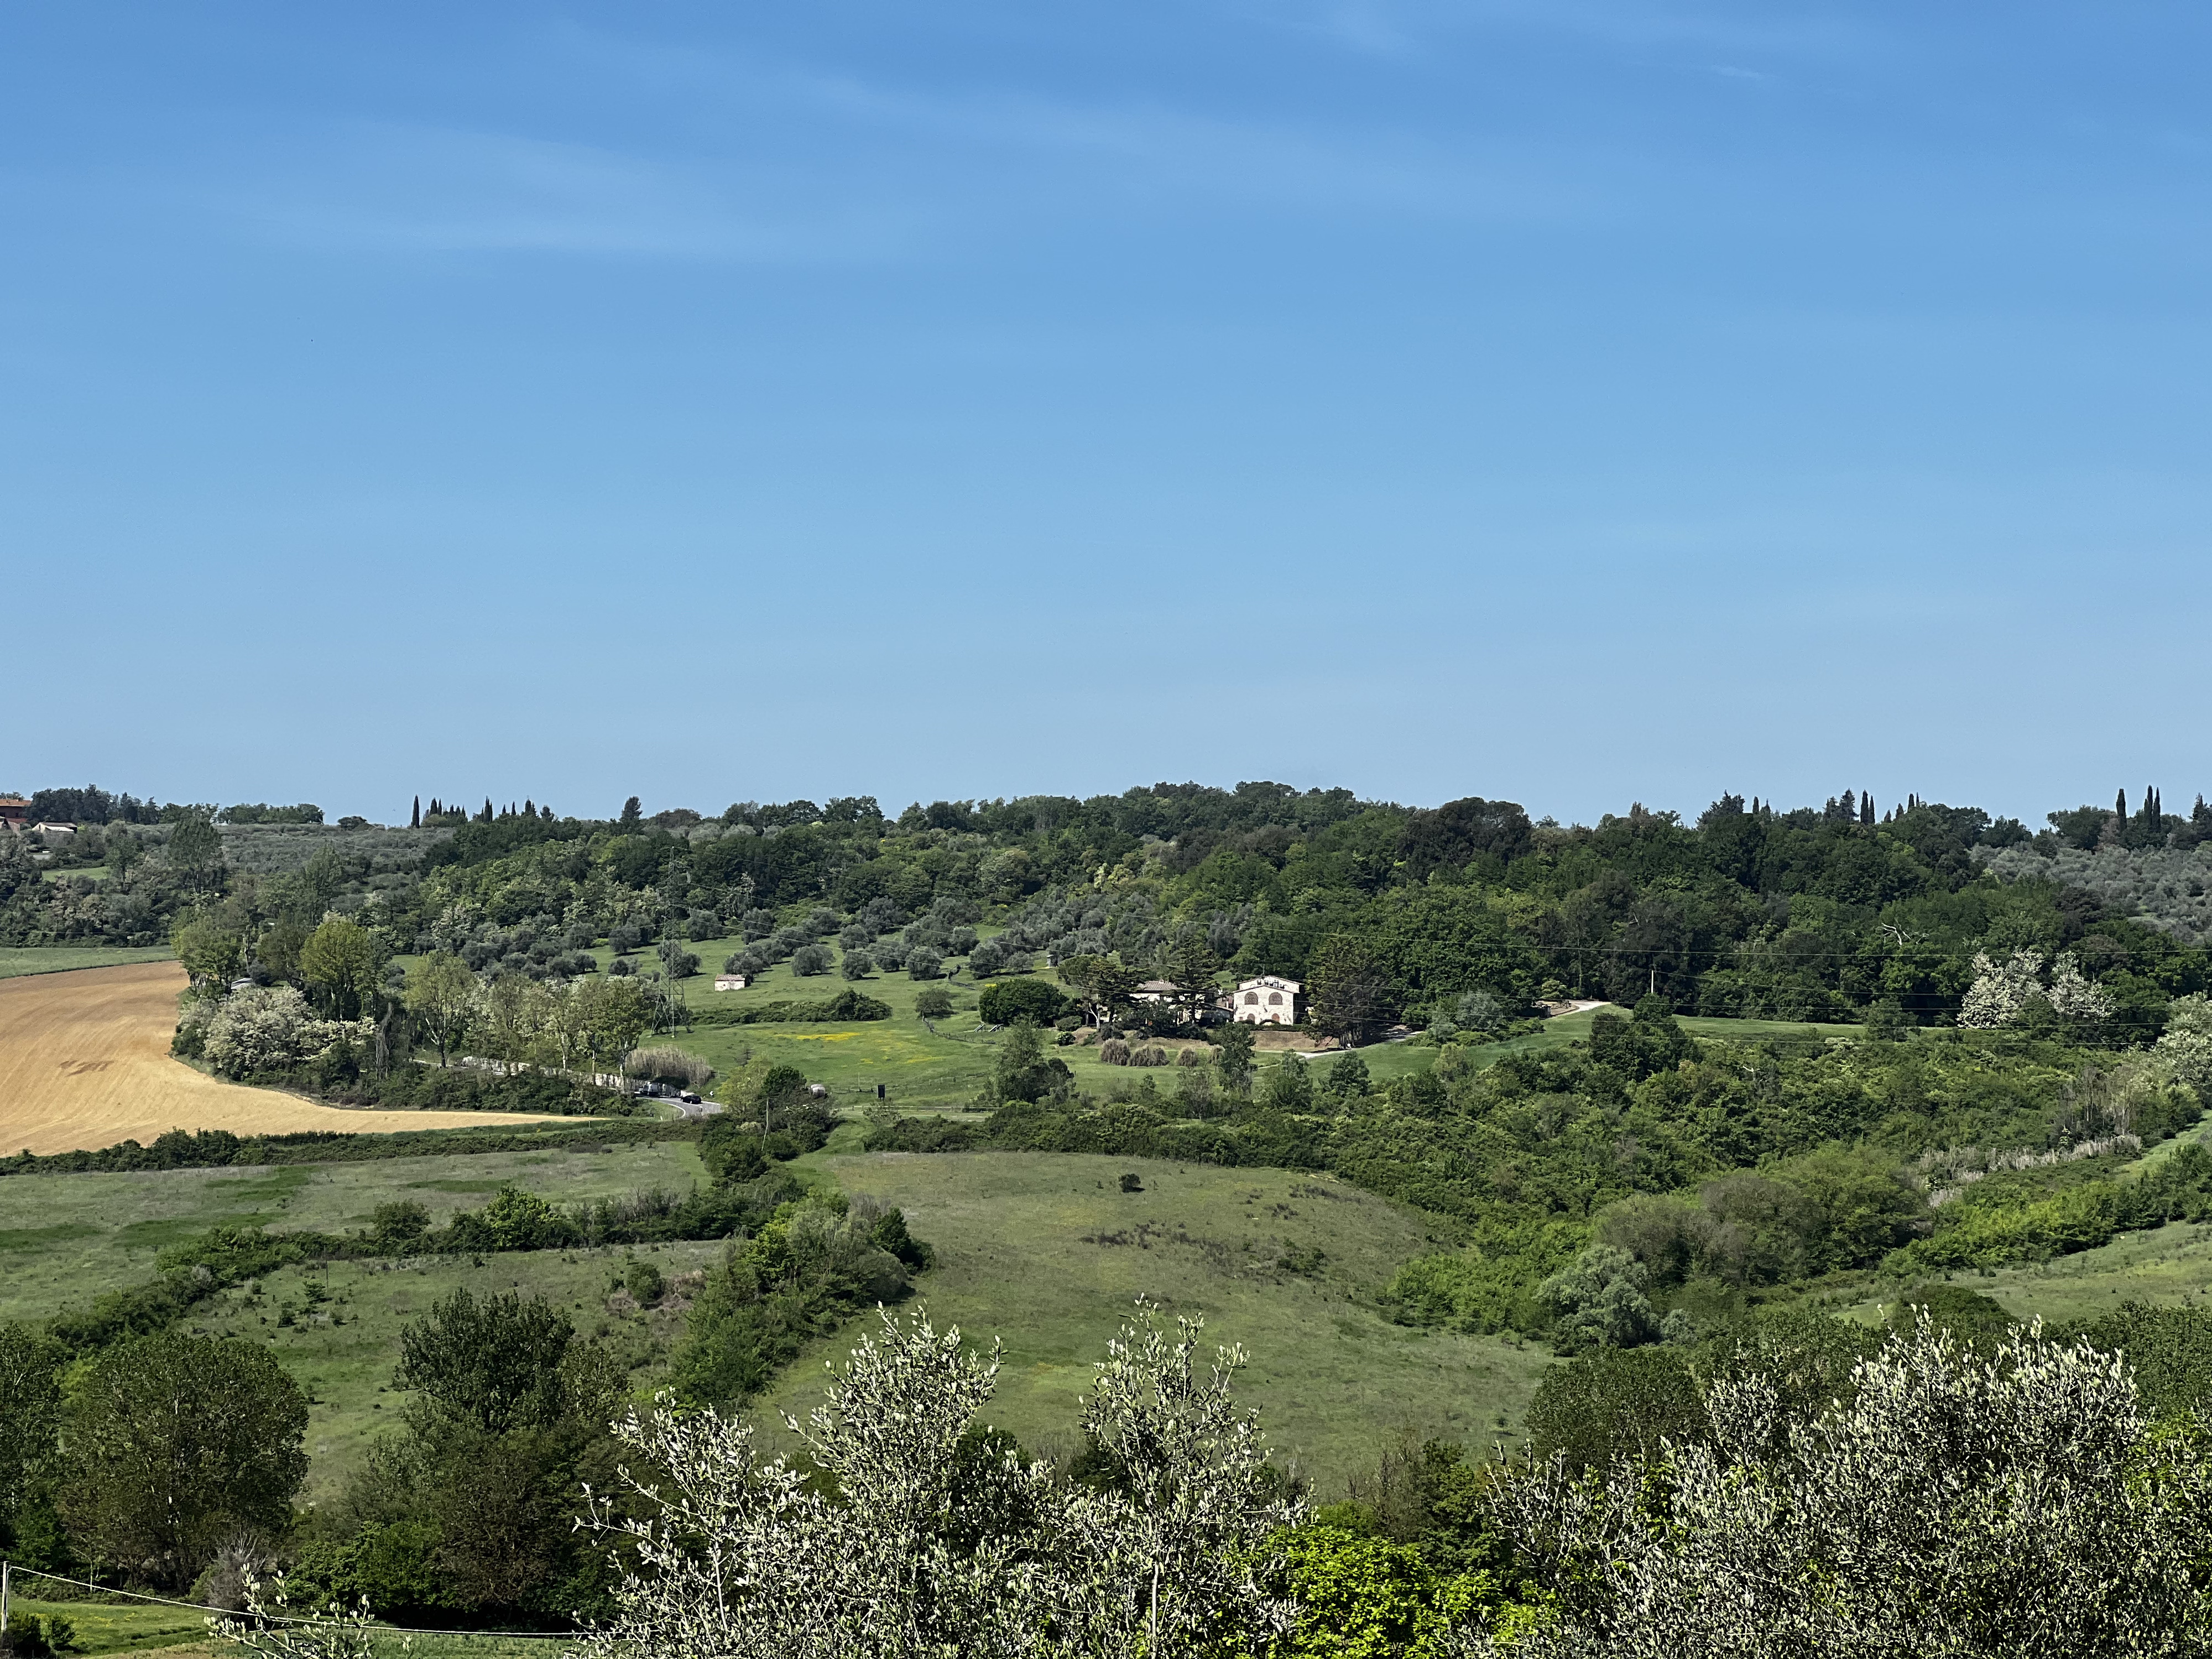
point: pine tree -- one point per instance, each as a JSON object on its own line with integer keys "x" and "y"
{"x": 416, "y": 822}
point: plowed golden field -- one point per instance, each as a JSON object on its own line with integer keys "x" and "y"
{"x": 85, "y": 1062}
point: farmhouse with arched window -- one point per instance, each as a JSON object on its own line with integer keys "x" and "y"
{"x": 1267, "y": 1001}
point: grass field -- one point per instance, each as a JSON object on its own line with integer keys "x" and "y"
{"x": 66, "y": 1238}
{"x": 101, "y": 1628}
{"x": 2168, "y": 1265}
{"x": 1046, "y": 1253}
{"x": 84, "y": 1061}
{"x": 344, "y": 1340}
{"x": 924, "y": 1070}
{"x": 18, "y": 960}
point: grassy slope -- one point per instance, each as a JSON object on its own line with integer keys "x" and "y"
{"x": 1045, "y": 1252}
{"x": 2168, "y": 1265}
{"x": 16, "y": 960}
{"x": 64, "y": 1239}
{"x": 1016, "y": 1234}
{"x": 67, "y": 1238}
{"x": 344, "y": 1363}
{"x": 182, "y": 1633}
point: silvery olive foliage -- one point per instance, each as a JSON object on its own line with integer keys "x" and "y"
{"x": 2014, "y": 1501}
{"x": 917, "y": 1538}
{"x": 268, "y": 1630}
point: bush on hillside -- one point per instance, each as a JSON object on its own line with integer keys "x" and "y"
{"x": 1021, "y": 998}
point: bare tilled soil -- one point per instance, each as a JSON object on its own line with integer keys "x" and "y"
{"x": 85, "y": 1062}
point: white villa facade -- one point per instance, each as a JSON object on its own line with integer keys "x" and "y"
{"x": 1269, "y": 1000}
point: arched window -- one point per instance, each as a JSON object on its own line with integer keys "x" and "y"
{"x": 1252, "y": 998}
{"x": 1274, "y": 998}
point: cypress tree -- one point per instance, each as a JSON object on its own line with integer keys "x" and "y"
{"x": 1866, "y": 807}
{"x": 487, "y": 811}
{"x": 416, "y": 822}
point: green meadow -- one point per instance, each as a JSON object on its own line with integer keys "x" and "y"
{"x": 2168, "y": 1266}
{"x": 1046, "y": 1255}
{"x": 67, "y": 1238}
{"x": 117, "y": 1625}
{"x": 335, "y": 1326}
{"x": 18, "y": 960}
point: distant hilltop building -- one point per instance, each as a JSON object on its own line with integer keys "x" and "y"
{"x": 15, "y": 813}
{"x": 1269, "y": 1000}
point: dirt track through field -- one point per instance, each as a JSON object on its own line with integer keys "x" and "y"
{"x": 85, "y": 1062}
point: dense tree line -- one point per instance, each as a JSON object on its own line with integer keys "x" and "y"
{"x": 1752, "y": 910}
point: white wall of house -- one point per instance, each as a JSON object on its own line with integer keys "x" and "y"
{"x": 1267, "y": 1000}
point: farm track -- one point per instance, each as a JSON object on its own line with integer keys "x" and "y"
{"x": 85, "y": 1062}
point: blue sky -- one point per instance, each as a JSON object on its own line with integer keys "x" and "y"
{"x": 1574, "y": 402}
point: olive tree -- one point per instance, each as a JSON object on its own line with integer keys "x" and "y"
{"x": 902, "y": 1530}
{"x": 1951, "y": 1501}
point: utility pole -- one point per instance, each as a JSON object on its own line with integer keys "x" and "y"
{"x": 4, "y": 1571}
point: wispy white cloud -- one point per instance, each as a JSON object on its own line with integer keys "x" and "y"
{"x": 771, "y": 159}
{"x": 1400, "y": 27}
{"x": 433, "y": 189}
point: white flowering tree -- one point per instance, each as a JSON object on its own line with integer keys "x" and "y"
{"x": 270, "y": 1028}
{"x": 2185, "y": 1049}
{"x": 2002, "y": 990}
{"x": 913, "y": 1538}
{"x": 2072, "y": 996}
{"x": 2015, "y": 1503}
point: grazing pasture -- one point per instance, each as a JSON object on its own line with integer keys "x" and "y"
{"x": 1047, "y": 1252}
{"x": 18, "y": 960}
{"x": 67, "y": 1238}
{"x": 85, "y": 1062}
